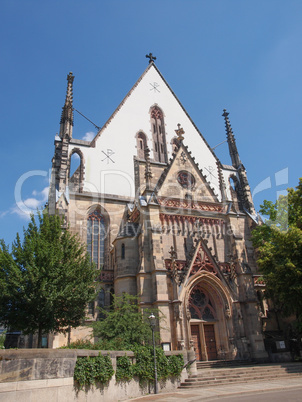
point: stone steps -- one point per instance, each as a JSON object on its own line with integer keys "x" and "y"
{"x": 259, "y": 372}
{"x": 224, "y": 363}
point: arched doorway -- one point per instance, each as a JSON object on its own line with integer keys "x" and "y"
{"x": 208, "y": 308}
{"x": 203, "y": 319}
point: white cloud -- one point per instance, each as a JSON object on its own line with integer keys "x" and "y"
{"x": 25, "y": 208}
{"x": 89, "y": 136}
{"x": 2, "y": 214}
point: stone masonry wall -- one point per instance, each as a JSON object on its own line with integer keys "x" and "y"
{"x": 29, "y": 375}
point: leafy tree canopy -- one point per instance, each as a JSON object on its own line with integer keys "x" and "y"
{"x": 279, "y": 248}
{"x": 46, "y": 281}
{"x": 124, "y": 326}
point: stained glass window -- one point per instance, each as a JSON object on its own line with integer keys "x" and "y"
{"x": 200, "y": 304}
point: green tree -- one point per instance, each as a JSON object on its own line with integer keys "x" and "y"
{"x": 124, "y": 326}
{"x": 279, "y": 251}
{"x": 46, "y": 281}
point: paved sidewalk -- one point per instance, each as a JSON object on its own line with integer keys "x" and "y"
{"x": 214, "y": 393}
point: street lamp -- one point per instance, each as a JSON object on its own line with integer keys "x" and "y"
{"x": 152, "y": 321}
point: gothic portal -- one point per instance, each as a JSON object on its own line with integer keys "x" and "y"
{"x": 163, "y": 218}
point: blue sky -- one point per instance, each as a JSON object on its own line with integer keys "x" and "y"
{"x": 240, "y": 55}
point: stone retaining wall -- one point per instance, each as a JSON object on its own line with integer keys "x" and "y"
{"x": 47, "y": 374}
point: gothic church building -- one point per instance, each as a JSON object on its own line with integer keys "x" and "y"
{"x": 165, "y": 219}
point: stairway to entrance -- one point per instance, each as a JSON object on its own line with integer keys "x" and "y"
{"x": 211, "y": 374}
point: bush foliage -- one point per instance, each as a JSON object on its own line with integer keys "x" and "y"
{"x": 89, "y": 370}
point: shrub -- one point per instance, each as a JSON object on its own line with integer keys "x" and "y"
{"x": 170, "y": 366}
{"x": 124, "y": 369}
{"x": 80, "y": 344}
{"x": 89, "y": 370}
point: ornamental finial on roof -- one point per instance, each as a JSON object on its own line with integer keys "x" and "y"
{"x": 150, "y": 57}
{"x": 231, "y": 141}
{"x": 67, "y": 110}
{"x": 180, "y": 132}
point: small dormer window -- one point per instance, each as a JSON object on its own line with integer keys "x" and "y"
{"x": 123, "y": 251}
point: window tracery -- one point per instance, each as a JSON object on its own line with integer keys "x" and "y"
{"x": 200, "y": 305}
{"x": 158, "y": 135}
{"x": 96, "y": 235}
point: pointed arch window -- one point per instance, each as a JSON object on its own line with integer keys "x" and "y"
{"x": 76, "y": 170}
{"x": 201, "y": 305}
{"x": 158, "y": 135}
{"x": 96, "y": 236}
{"x": 141, "y": 143}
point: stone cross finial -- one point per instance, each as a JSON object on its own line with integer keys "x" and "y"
{"x": 150, "y": 57}
{"x": 180, "y": 131}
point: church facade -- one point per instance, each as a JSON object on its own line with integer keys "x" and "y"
{"x": 165, "y": 219}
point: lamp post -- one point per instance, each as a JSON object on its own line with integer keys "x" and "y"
{"x": 152, "y": 321}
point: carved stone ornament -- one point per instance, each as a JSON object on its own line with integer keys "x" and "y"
{"x": 227, "y": 313}
{"x": 177, "y": 311}
{"x": 181, "y": 344}
{"x": 188, "y": 312}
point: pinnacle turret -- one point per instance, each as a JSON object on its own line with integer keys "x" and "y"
{"x": 148, "y": 173}
{"x": 236, "y": 162}
{"x": 66, "y": 121}
{"x": 221, "y": 183}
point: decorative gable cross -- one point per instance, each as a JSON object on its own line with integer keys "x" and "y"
{"x": 150, "y": 57}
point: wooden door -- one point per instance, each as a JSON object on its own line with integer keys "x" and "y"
{"x": 209, "y": 335}
{"x": 196, "y": 339}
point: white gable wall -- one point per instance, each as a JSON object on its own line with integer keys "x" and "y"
{"x": 119, "y": 136}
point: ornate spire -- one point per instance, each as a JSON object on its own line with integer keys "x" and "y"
{"x": 243, "y": 191}
{"x": 221, "y": 183}
{"x": 67, "y": 110}
{"x": 236, "y": 162}
{"x": 148, "y": 173}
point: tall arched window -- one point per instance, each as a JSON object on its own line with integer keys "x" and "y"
{"x": 76, "y": 170}
{"x": 96, "y": 236}
{"x": 141, "y": 145}
{"x": 158, "y": 135}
